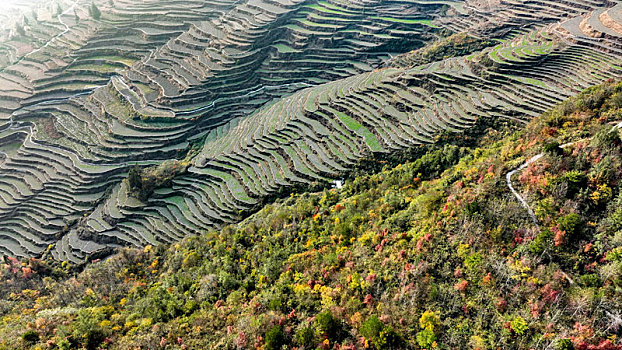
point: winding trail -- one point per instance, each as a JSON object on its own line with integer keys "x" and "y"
{"x": 523, "y": 202}
{"x": 508, "y": 180}
{"x": 67, "y": 29}
{"x": 47, "y": 43}
{"x": 508, "y": 176}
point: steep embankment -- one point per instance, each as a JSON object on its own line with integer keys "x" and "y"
{"x": 433, "y": 253}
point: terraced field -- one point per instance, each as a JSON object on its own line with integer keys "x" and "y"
{"x": 267, "y": 94}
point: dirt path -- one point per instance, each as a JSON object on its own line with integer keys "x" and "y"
{"x": 67, "y": 28}
{"x": 523, "y": 202}
{"x": 508, "y": 180}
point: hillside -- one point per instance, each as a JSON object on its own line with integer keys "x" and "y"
{"x": 144, "y": 122}
{"x": 436, "y": 252}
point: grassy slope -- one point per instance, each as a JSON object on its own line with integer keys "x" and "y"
{"x": 432, "y": 253}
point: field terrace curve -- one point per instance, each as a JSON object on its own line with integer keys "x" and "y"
{"x": 60, "y": 182}
{"x": 69, "y": 150}
{"x": 80, "y": 53}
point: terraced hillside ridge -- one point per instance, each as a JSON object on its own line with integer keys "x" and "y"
{"x": 62, "y": 51}
{"x": 267, "y": 94}
{"x": 442, "y": 235}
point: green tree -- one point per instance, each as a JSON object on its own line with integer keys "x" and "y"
{"x": 426, "y": 338}
{"x": 381, "y": 336}
{"x": 30, "y": 336}
{"x": 19, "y": 29}
{"x": 305, "y": 337}
{"x": 519, "y": 325}
{"x": 328, "y": 324}
{"x": 564, "y": 344}
{"x": 94, "y": 11}
{"x": 275, "y": 338}
{"x": 87, "y": 328}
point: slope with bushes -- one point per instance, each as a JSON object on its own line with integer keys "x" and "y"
{"x": 432, "y": 253}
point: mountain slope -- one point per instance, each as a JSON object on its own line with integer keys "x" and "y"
{"x": 433, "y": 253}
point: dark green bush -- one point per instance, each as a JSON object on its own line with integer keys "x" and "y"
{"x": 606, "y": 139}
{"x": 305, "y": 337}
{"x": 381, "y": 336}
{"x": 542, "y": 242}
{"x": 553, "y": 148}
{"x": 275, "y": 304}
{"x": 94, "y": 11}
{"x": 344, "y": 230}
{"x": 30, "y": 336}
{"x": 388, "y": 339}
{"x": 590, "y": 280}
{"x": 328, "y": 324}
{"x": 472, "y": 208}
{"x": 564, "y": 344}
{"x": 275, "y": 338}
{"x": 575, "y": 181}
{"x": 372, "y": 327}
{"x": 572, "y": 224}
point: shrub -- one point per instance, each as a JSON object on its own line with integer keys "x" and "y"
{"x": 575, "y": 181}
{"x": 590, "y": 280}
{"x": 542, "y": 242}
{"x": 30, "y": 336}
{"x": 553, "y": 148}
{"x": 602, "y": 195}
{"x": 608, "y": 139}
{"x": 388, "y": 339}
{"x": 472, "y": 208}
{"x": 594, "y": 97}
{"x": 372, "y": 327}
{"x": 616, "y": 100}
{"x": 426, "y": 338}
{"x": 64, "y": 344}
{"x": 160, "y": 304}
{"x": 430, "y": 320}
{"x": 614, "y": 254}
{"x": 20, "y": 29}
{"x": 473, "y": 263}
{"x": 305, "y": 337}
{"x": 190, "y": 306}
{"x": 344, "y": 230}
{"x": 275, "y": 338}
{"x": 94, "y": 11}
{"x": 519, "y": 325}
{"x": 564, "y": 344}
{"x": 328, "y": 324}
{"x": 275, "y": 304}
{"x": 572, "y": 224}
{"x": 381, "y": 336}
{"x": 87, "y": 327}
{"x": 142, "y": 182}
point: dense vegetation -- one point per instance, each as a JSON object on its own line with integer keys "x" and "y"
{"x": 433, "y": 253}
{"x": 142, "y": 182}
{"x": 448, "y": 45}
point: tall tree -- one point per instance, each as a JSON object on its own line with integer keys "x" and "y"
{"x": 94, "y": 11}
